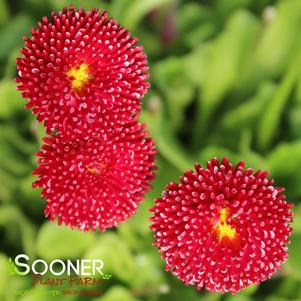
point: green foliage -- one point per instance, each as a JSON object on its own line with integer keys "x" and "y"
{"x": 294, "y": 264}
{"x": 120, "y": 262}
{"x": 226, "y": 80}
{"x": 12, "y": 32}
{"x": 4, "y": 275}
{"x": 11, "y": 267}
{"x": 117, "y": 293}
{"x": 68, "y": 244}
{"x": 223, "y": 67}
{"x": 10, "y": 99}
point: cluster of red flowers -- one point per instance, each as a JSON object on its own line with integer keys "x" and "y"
{"x": 84, "y": 76}
{"x": 222, "y": 227}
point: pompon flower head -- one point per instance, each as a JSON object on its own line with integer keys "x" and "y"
{"x": 96, "y": 183}
{"x": 222, "y": 227}
{"x": 82, "y": 71}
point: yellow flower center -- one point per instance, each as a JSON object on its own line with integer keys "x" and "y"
{"x": 79, "y": 76}
{"x": 221, "y": 227}
{"x": 96, "y": 169}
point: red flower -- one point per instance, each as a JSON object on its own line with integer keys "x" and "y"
{"x": 222, "y": 228}
{"x": 96, "y": 183}
{"x": 82, "y": 71}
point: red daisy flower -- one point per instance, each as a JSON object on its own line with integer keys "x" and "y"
{"x": 81, "y": 71}
{"x": 222, "y": 228}
{"x": 96, "y": 183}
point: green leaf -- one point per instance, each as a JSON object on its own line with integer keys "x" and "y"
{"x": 137, "y": 227}
{"x": 238, "y": 297}
{"x": 284, "y": 165}
{"x": 30, "y": 198}
{"x": 275, "y": 47}
{"x": 149, "y": 275}
{"x": 11, "y": 160}
{"x": 295, "y": 121}
{"x": 293, "y": 264}
{"x": 55, "y": 241}
{"x": 14, "y": 138}
{"x": 118, "y": 8}
{"x": 246, "y": 114}
{"x": 28, "y": 191}
{"x": 278, "y": 40}
{"x": 194, "y": 23}
{"x": 117, "y": 293}
{"x": 287, "y": 288}
{"x": 165, "y": 139}
{"x": 4, "y": 276}
{"x": 250, "y": 290}
{"x": 225, "y": 7}
{"x": 298, "y": 90}
{"x": 11, "y": 216}
{"x": 11, "y": 34}
{"x": 215, "y": 151}
{"x": 7, "y": 187}
{"x": 4, "y": 13}
{"x": 137, "y": 9}
{"x": 11, "y": 267}
{"x": 10, "y": 99}
{"x": 191, "y": 15}
{"x": 116, "y": 255}
{"x": 275, "y": 298}
{"x": 199, "y": 34}
{"x": 270, "y": 120}
{"x": 296, "y": 225}
{"x": 87, "y": 4}
{"x": 198, "y": 57}
{"x": 225, "y": 57}
{"x": 170, "y": 77}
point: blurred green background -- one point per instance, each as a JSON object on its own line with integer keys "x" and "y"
{"x": 226, "y": 80}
